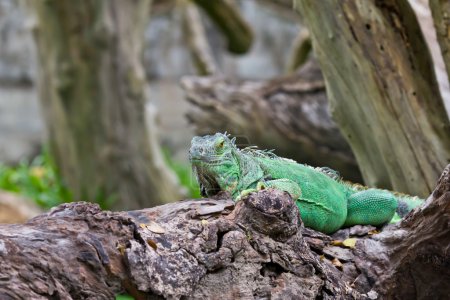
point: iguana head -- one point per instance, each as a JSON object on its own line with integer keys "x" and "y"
{"x": 215, "y": 162}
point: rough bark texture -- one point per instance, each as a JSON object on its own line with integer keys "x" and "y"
{"x": 417, "y": 264}
{"x": 212, "y": 248}
{"x": 289, "y": 114}
{"x": 440, "y": 10}
{"x": 92, "y": 89}
{"x": 382, "y": 89}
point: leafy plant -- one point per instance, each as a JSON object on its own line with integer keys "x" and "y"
{"x": 184, "y": 173}
{"x": 37, "y": 180}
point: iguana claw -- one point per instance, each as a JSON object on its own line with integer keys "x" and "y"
{"x": 259, "y": 186}
{"x": 245, "y": 193}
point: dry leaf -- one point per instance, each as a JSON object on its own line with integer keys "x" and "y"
{"x": 121, "y": 248}
{"x": 337, "y": 263}
{"x": 372, "y": 232}
{"x": 337, "y": 243}
{"x": 142, "y": 225}
{"x": 350, "y": 243}
{"x": 155, "y": 227}
{"x": 205, "y": 222}
{"x": 152, "y": 244}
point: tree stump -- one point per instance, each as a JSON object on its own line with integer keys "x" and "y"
{"x": 216, "y": 248}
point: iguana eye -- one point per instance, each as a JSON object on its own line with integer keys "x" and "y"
{"x": 220, "y": 144}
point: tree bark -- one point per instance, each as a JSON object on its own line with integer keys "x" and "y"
{"x": 92, "y": 90}
{"x": 301, "y": 49}
{"x": 196, "y": 39}
{"x": 417, "y": 257}
{"x": 382, "y": 90}
{"x": 214, "y": 248}
{"x": 226, "y": 17}
{"x": 440, "y": 10}
{"x": 289, "y": 114}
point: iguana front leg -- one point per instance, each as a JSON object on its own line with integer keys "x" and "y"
{"x": 280, "y": 184}
{"x": 314, "y": 214}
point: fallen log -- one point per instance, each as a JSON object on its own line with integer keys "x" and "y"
{"x": 290, "y": 112}
{"x": 215, "y": 248}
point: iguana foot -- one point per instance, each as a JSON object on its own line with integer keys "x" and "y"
{"x": 259, "y": 186}
{"x": 395, "y": 219}
{"x": 245, "y": 193}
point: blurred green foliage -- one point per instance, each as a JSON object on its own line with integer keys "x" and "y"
{"x": 184, "y": 173}
{"x": 37, "y": 180}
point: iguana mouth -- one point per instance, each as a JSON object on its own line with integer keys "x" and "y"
{"x": 210, "y": 162}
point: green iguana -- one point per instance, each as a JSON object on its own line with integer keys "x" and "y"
{"x": 326, "y": 202}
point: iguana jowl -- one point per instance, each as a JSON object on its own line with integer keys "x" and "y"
{"x": 326, "y": 202}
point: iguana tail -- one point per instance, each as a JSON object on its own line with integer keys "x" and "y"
{"x": 407, "y": 203}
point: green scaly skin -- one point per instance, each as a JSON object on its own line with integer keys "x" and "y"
{"x": 326, "y": 202}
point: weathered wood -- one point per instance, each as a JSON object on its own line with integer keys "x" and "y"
{"x": 92, "y": 90}
{"x": 382, "y": 89}
{"x": 417, "y": 251}
{"x": 196, "y": 249}
{"x": 214, "y": 248}
{"x": 440, "y": 10}
{"x": 288, "y": 113}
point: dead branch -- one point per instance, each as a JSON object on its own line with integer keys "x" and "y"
{"x": 196, "y": 40}
{"x": 226, "y": 16}
{"x": 212, "y": 248}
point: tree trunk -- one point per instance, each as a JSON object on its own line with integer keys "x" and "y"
{"x": 440, "y": 10}
{"x": 382, "y": 90}
{"x": 289, "y": 114}
{"x": 214, "y": 248}
{"x": 92, "y": 90}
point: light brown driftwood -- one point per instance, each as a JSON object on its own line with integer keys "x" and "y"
{"x": 214, "y": 248}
